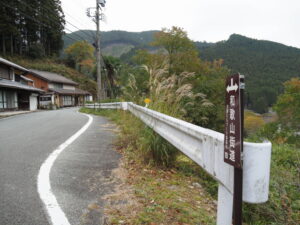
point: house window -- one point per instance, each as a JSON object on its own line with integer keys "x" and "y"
{"x": 58, "y": 86}
{"x": 4, "y": 72}
{"x": 3, "y": 101}
{"x": 44, "y": 99}
{"x": 67, "y": 100}
{"x": 8, "y": 100}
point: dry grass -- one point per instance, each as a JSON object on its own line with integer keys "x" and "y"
{"x": 149, "y": 195}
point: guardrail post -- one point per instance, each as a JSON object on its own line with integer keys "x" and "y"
{"x": 225, "y": 206}
{"x": 124, "y": 105}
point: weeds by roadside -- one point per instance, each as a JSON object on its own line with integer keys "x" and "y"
{"x": 156, "y": 194}
{"x": 160, "y": 191}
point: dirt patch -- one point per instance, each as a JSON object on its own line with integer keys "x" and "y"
{"x": 122, "y": 201}
{"x": 154, "y": 196}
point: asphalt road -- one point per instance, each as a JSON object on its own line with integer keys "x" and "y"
{"x": 79, "y": 176}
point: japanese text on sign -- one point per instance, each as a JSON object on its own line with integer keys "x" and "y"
{"x": 232, "y": 142}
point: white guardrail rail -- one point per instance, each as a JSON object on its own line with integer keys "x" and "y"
{"x": 206, "y": 148}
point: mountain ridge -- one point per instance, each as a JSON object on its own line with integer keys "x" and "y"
{"x": 265, "y": 64}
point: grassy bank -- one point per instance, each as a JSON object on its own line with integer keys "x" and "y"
{"x": 183, "y": 193}
{"x": 175, "y": 195}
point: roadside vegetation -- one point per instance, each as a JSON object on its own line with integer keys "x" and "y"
{"x": 183, "y": 193}
{"x": 192, "y": 90}
{"x": 153, "y": 193}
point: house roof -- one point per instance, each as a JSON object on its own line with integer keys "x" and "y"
{"x": 77, "y": 91}
{"x": 17, "y": 85}
{"x": 26, "y": 78}
{"x": 52, "y": 77}
{"x": 9, "y": 63}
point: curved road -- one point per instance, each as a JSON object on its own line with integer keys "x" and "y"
{"x": 78, "y": 176}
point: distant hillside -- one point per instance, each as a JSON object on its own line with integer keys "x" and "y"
{"x": 113, "y": 43}
{"x": 265, "y": 64}
{"x": 52, "y": 66}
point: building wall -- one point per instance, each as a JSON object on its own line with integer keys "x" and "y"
{"x": 38, "y": 82}
{"x": 68, "y": 87}
{"x": 62, "y": 86}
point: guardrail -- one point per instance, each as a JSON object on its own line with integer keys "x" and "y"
{"x": 206, "y": 148}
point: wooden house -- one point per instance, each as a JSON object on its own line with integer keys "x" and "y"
{"x": 60, "y": 91}
{"x": 17, "y": 92}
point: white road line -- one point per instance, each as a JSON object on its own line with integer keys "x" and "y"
{"x": 55, "y": 214}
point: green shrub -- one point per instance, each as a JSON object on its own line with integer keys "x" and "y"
{"x": 155, "y": 148}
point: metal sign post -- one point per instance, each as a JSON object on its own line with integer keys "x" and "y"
{"x": 233, "y": 141}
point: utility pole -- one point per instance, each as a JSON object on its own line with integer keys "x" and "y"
{"x": 98, "y": 55}
{"x": 96, "y": 19}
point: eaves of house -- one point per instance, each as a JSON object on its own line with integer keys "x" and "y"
{"x": 16, "y": 85}
{"x": 13, "y": 65}
{"x": 52, "y": 77}
{"x": 77, "y": 91}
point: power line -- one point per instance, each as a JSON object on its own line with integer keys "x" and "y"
{"x": 75, "y": 19}
{"x": 51, "y": 19}
{"x": 33, "y": 19}
{"x": 79, "y": 29}
{"x": 80, "y": 3}
{"x": 71, "y": 38}
{"x": 50, "y": 12}
{"x": 91, "y": 32}
{"x": 73, "y": 33}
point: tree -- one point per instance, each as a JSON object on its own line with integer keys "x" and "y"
{"x": 79, "y": 54}
{"x": 112, "y": 66}
{"x": 288, "y": 104}
{"x": 253, "y": 123}
{"x": 260, "y": 104}
{"x": 182, "y": 54}
{"x": 210, "y": 81}
{"x": 179, "y": 55}
{"x": 29, "y": 23}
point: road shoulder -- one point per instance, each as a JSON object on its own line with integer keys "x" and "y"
{"x": 82, "y": 173}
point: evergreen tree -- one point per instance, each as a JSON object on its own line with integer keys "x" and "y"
{"x": 31, "y": 24}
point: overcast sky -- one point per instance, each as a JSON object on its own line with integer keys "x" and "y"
{"x": 204, "y": 20}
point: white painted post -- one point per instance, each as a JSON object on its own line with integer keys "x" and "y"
{"x": 124, "y": 105}
{"x": 225, "y": 205}
{"x": 257, "y": 163}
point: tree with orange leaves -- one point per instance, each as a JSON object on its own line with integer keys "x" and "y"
{"x": 288, "y": 104}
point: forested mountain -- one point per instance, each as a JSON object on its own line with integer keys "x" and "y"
{"x": 265, "y": 64}
{"x": 113, "y": 43}
{"x": 31, "y": 27}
